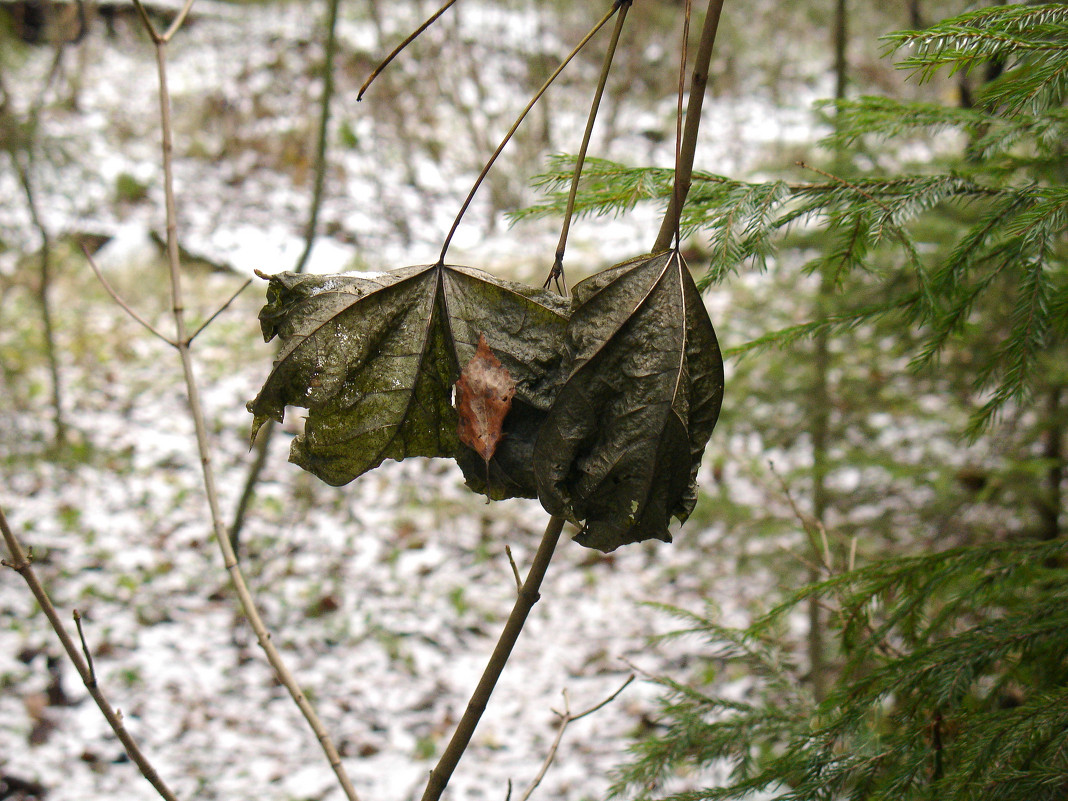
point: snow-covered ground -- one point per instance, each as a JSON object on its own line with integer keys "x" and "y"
{"x": 385, "y": 596}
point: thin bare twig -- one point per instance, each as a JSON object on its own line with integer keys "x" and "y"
{"x": 507, "y": 137}
{"x": 814, "y": 529}
{"x": 182, "y": 344}
{"x": 178, "y": 21}
{"x": 567, "y": 718}
{"x": 85, "y": 647}
{"x": 122, "y": 303}
{"x": 515, "y": 569}
{"x": 396, "y": 51}
{"x": 688, "y": 148}
{"x": 147, "y": 22}
{"x": 22, "y": 564}
{"x": 528, "y": 596}
{"x": 219, "y": 311}
{"x": 557, "y": 271}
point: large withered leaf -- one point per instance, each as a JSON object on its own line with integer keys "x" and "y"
{"x": 374, "y": 361}
{"x": 620, "y": 448}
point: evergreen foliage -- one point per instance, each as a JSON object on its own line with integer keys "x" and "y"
{"x": 950, "y": 673}
{"x": 1011, "y": 189}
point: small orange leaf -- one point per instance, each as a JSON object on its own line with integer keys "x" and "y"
{"x": 483, "y": 398}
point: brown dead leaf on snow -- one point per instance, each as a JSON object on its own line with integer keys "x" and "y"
{"x": 483, "y": 398}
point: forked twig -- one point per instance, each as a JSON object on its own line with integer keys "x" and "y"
{"x": 22, "y": 564}
{"x": 528, "y": 596}
{"x": 814, "y": 529}
{"x": 557, "y": 271}
{"x": 182, "y": 344}
{"x": 396, "y": 51}
{"x": 522, "y": 115}
{"x": 126, "y": 307}
{"x": 566, "y": 719}
{"x": 157, "y": 37}
{"x": 220, "y": 310}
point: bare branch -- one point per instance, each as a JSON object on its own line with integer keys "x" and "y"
{"x": 528, "y": 596}
{"x": 23, "y": 565}
{"x": 122, "y": 303}
{"x": 813, "y": 528}
{"x": 178, "y": 21}
{"x": 147, "y": 22}
{"x": 566, "y": 718}
{"x": 219, "y": 311}
{"x": 182, "y": 343}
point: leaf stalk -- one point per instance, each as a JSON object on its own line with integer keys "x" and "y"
{"x": 688, "y": 145}
{"x": 515, "y": 126}
{"x": 557, "y": 272}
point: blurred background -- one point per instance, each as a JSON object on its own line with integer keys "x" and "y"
{"x": 386, "y": 595}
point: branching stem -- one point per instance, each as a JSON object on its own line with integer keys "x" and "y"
{"x": 22, "y": 564}
{"x": 567, "y": 717}
{"x": 126, "y": 307}
{"x": 182, "y": 344}
{"x": 528, "y": 596}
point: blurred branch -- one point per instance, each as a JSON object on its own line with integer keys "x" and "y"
{"x": 329, "y": 53}
{"x": 182, "y": 344}
{"x": 566, "y": 718}
{"x": 21, "y": 141}
{"x": 22, "y": 564}
{"x": 24, "y": 172}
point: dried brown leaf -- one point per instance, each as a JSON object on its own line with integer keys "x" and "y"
{"x": 483, "y": 398}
